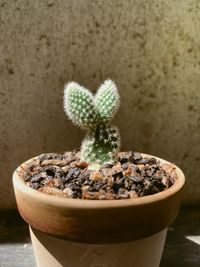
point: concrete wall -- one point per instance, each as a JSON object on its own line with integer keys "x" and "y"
{"x": 150, "y": 48}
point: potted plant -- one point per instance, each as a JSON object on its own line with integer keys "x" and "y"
{"x": 98, "y": 207}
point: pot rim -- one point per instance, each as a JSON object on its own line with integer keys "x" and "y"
{"x": 63, "y": 202}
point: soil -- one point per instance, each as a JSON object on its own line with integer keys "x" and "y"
{"x": 132, "y": 175}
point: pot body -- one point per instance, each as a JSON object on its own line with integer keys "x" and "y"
{"x": 55, "y": 252}
{"x": 98, "y": 233}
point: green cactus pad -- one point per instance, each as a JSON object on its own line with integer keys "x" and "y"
{"x": 79, "y": 105}
{"x": 100, "y": 146}
{"x": 107, "y": 101}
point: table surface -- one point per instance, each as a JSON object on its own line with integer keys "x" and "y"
{"x": 182, "y": 246}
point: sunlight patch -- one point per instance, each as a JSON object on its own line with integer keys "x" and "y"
{"x": 194, "y": 238}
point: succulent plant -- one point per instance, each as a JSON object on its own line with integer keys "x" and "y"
{"x": 94, "y": 114}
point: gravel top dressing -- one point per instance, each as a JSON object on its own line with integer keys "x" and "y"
{"x": 132, "y": 175}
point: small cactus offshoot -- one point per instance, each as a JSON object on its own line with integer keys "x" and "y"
{"x": 94, "y": 114}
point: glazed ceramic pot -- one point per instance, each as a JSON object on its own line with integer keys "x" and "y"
{"x": 98, "y": 233}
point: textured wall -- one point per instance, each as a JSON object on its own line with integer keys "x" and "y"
{"x": 150, "y": 48}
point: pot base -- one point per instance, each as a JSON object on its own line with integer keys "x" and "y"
{"x": 53, "y": 252}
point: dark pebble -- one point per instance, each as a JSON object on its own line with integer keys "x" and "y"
{"x": 138, "y": 188}
{"x": 90, "y": 182}
{"x": 133, "y": 186}
{"x": 76, "y": 188}
{"x": 75, "y": 194}
{"x": 123, "y": 160}
{"x": 116, "y": 187}
{"x": 136, "y": 179}
{"x": 155, "y": 166}
{"x": 125, "y": 166}
{"x": 73, "y": 173}
{"x": 154, "y": 190}
{"x": 107, "y": 165}
{"x": 150, "y": 172}
{"x": 81, "y": 179}
{"x": 143, "y": 173}
{"x": 121, "y": 181}
{"x": 91, "y": 189}
{"x": 127, "y": 184}
{"x": 37, "y": 178}
{"x": 76, "y": 173}
{"x": 147, "y": 161}
{"x": 43, "y": 157}
{"x": 109, "y": 189}
{"x": 27, "y": 177}
{"x": 136, "y": 157}
{"x": 121, "y": 191}
{"x": 117, "y": 174}
{"x": 86, "y": 173}
{"x": 50, "y": 171}
{"x": 66, "y": 179}
{"x": 62, "y": 186}
{"x": 35, "y": 185}
{"x": 159, "y": 184}
{"x": 152, "y": 160}
{"x": 59, "y": 173}
{"x": 98, "y": 185}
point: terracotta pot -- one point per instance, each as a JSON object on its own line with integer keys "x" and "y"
{"x": 98, "y": 233}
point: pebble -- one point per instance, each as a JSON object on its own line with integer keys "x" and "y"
{"x": 124, "y": 160}
{"x": 125, "y": 165}
{"x": 136, "y": 156}
{"x": 38, "y": 177}
{"x": 35, "y": 185}
{"x": 81, "y": 164}
{"x": 50, "y": 171}
{"x": 65, "y": 168}
{"x": 96, "y": 175}
{"x": 133, "y": 194}
{"x": 131, "y": 170}
{"x": 141, "y": 167}
{"x": 147, "y": 161}
{"x": 107, "y": 165}
{"x": 85, "y": 188}
{"x": 136, "y": 179}
{"x": 123, "y": 196}
{"x": 49, "y": 156}
{"x": 68, "y": 192}
{"x": 106, "y": 171}
{"x": 73, "y": 173}
{"x": 118, "y": 174}
{"x": 117, "y": 167}
{"x": 54, "y": 162}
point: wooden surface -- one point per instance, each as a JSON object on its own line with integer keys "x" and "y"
{"x": 182, "y": 245}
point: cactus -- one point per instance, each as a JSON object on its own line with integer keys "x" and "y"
{"x": 94, "y": 114}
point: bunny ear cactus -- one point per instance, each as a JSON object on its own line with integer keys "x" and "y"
{"x": 94, "y": 114}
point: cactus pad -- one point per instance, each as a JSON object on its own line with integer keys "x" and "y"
{"x": 101, "y": 145}
{"x": 107, "y": 101}
{"x": 79, "y": 105}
